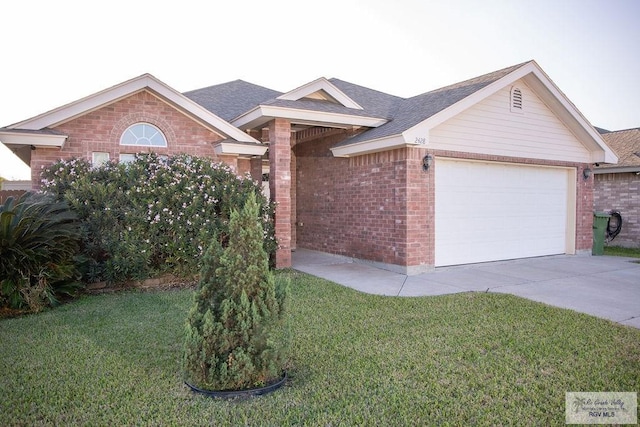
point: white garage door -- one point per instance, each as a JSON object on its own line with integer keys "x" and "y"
{"x": 488, "y": 211}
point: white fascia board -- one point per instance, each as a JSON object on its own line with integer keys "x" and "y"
{"x": 616, "y": 169}
{"x": 227, "y": 147}
{"x": 82, "y": 106}
{"x": 264, "y": 113}
{"x": 558, "y": 102}
{"x": 321, "y": 84}
{"x": 35, "y": 139}
{"x": 372, "y": 146}
{"x": 146, "y": 81}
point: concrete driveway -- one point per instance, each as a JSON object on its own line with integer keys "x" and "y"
{"x": 603, "y": 286}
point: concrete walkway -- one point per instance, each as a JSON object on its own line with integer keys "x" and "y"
{"x": 603, "y": 286}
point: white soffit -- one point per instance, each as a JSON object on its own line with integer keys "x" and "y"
{"x": 146, "y": 81}
{"x": 320, "y": 85}
{"x": 372, "y": 146}
{"x": 231, "y": 147}
{"x": 17, "y": 138}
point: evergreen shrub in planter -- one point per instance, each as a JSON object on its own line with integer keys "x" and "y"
{"x": 234, "y": 332}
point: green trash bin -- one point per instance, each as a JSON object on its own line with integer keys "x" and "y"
{"x": 600, "y": 222}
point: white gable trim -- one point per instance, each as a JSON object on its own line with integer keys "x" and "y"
{"x": 321, "y": 84}
{"x": 264, "y": 113}
{"x": 533, "y": 75}
{"x": 146, "y": 81}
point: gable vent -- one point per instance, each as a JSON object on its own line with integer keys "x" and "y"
{"x": 516, "y": 100}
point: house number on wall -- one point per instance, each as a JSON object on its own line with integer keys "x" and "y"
{"x": 421, "y": 141}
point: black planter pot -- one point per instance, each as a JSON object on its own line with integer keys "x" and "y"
{"x": 233, "y": 394}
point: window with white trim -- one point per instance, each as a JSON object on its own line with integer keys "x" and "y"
{"x": 127, "y": 158}
{"x": 143, "y": 135}
{"x": 99, "y": 158}
{"x": 516, "y": 101}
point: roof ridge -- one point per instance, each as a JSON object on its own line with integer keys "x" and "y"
{"x": 228, "y": 83}
{"x": 493, "y": 75}
{"x": 333, "y": 79}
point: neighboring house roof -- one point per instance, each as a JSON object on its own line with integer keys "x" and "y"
{"x": 39, "y": 127}
{"x": 626, "y": 145}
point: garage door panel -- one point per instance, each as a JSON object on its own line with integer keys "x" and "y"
{"x": 491, "y": 211}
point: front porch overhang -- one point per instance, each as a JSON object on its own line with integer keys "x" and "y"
{"x": 263, "y": 114}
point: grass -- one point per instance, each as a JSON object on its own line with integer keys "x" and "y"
{"x": 356, "y": 359}
{"x": 620, "y": 251}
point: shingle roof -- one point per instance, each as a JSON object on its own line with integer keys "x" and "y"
{"x": 626, "y": 145}
{"x": 229, "y": 100}
{"x": 406, "y": 113}
{"x": 232, "y": 99}
{"x": 45, "y": 131}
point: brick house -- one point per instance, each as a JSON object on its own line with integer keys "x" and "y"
{"x": 487, "y": 169}
{"x": 617, "y": 187}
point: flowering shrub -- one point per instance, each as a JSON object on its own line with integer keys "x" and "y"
{"x": 153, "y": 215}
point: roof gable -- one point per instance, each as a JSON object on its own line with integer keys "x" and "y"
{"x": 321, "y": 89}
{"x": 413, "y": 118}
{"x": 115, "y": 93}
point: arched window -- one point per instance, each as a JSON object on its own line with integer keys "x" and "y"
{"x": 143, "y": 134}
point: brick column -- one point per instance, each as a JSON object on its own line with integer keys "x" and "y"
{"x": 280, "y": 186}
{"x": 256, "y": 169}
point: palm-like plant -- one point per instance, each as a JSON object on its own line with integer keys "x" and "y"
{"x": 39, "y": 238}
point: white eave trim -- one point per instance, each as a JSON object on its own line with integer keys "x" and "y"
{"x": 230, "y": 148}
{"x": 616, "y": 169}
{"x": 34, "y": 139}
{"x": 146, "y": 81}
{"x": 318, "y": 85}
{"x": 264, "y": 113}
{"x": 371, "y": 146}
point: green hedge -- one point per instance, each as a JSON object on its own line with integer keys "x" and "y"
{"x": 154, "y": 215}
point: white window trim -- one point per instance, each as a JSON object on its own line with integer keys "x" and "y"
{"x": 95, "y": 158}
{"x": 128, "y": 129}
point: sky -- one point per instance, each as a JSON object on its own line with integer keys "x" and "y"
{"x": 55, "y": 52}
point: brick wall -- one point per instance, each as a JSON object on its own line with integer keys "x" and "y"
{"x": 620, "y": 192}
{"x": 100, "y": 130}
{"x": 368, "y": 207}
{"x": 380, "y": 207}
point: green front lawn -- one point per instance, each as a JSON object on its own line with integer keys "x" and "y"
{"x": 356, "y": 359}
